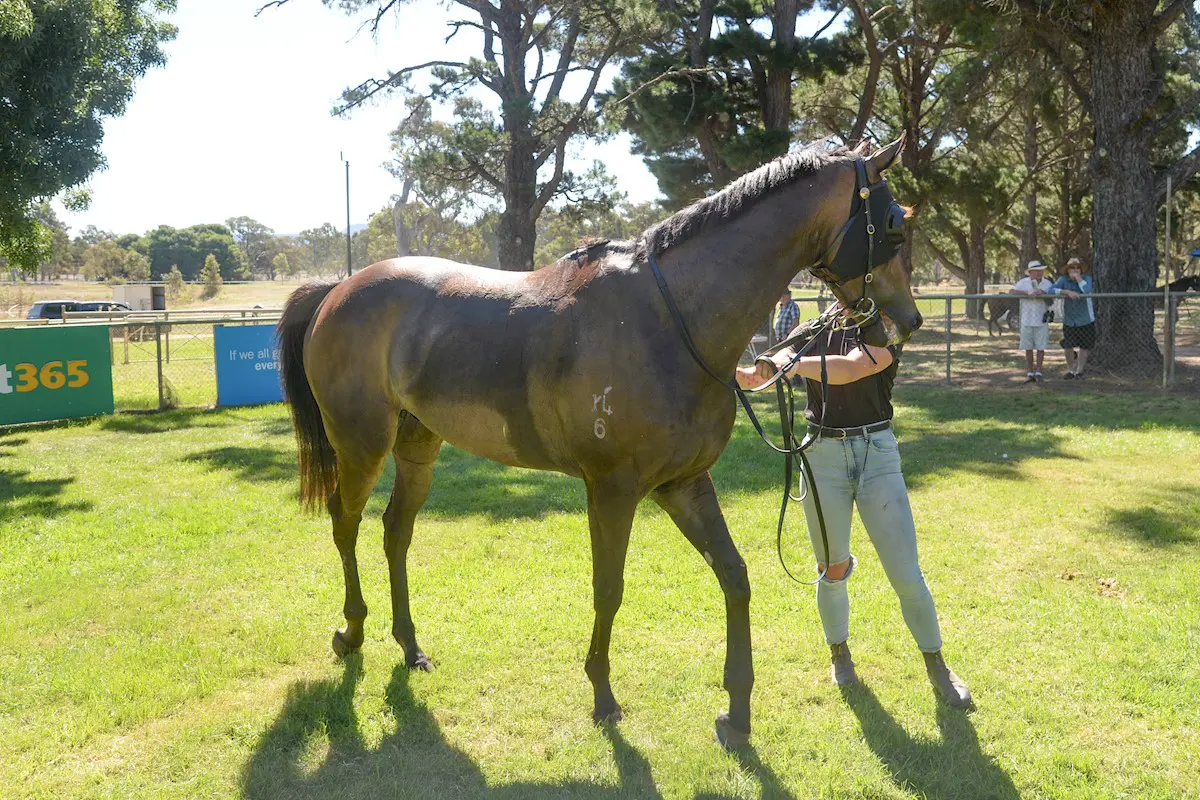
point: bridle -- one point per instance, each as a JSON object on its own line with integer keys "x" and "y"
{"x": 848, "y": 258}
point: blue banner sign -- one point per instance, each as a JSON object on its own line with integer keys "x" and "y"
{"x": 247, "y": 365}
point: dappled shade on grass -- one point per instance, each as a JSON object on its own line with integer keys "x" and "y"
{"x": 165, "y": 422}
{"x": 249, "y": 463}
{"x": 1170, "y": 522}
{"x": 23, "y": 497}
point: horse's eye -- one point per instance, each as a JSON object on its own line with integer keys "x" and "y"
{"x": 895, "y": 224}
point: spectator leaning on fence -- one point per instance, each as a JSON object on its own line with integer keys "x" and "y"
{"x": 788, "y": 316}
{"x": 1079, "y": 318}
{"x": 1035, "y": 322}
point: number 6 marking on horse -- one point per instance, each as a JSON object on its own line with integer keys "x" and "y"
{"x": 600, "y": 405}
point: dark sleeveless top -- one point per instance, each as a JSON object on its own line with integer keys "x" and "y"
{"x": 860, "y": 403}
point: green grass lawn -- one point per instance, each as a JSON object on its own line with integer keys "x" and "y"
{"x": 169, "y": 612}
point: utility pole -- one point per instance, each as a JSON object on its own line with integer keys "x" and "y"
{"x": 349, "y": 268}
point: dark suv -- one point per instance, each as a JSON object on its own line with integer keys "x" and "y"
{"x": 53, "y": 309}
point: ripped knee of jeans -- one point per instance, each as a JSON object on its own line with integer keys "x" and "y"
{"x": 839, "y": 572}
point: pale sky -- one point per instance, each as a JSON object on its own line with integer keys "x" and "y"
{"x": 238, "y": 121}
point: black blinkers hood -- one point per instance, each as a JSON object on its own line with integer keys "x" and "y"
{"x": 861, "y": 251}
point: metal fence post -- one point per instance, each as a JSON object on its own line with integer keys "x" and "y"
{"x": 159, "y": 360}
{"x": 1167, "y": 354}
{"x": 947, "y": 341}
{"x": 1172, "y": 310}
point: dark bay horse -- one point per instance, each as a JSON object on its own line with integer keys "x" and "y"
{"x": 577, "y": 368}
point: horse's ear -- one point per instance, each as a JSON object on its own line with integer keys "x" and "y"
{"x": 887, "y": 155}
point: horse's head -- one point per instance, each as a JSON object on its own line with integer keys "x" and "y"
{"x": 862, "y": 262}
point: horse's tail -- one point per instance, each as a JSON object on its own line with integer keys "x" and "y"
{"x": 318, "y": 462}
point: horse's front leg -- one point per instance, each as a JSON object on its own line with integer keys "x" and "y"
{"x": 693, "y": 505}
{"x": 612, "y": 502}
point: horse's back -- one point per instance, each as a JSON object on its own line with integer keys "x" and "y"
{"x": 473, "y": 352}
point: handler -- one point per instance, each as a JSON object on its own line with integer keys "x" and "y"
{"x": 856, "y": 461}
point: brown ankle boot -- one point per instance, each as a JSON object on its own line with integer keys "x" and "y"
{"x": 842, "y": 670}
{"x": 948, "y": 685}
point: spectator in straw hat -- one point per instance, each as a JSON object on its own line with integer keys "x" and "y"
{"x": 1035, "y": 319}
{"x": 1079, "y": 317}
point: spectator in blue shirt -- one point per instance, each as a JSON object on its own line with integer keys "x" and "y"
{"x": 788, "y": 316}
{"x": 1079, "y": 318}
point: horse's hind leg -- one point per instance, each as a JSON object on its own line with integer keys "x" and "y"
{"x": 358, "y": 472}
{"x": 415, "y": 451}
{"x": 692, "y": 505}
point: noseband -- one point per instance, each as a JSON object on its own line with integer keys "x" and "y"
{"x": 859, "y": 248}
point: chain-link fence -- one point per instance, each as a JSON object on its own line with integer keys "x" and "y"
{"x": 974, "y": 341}
{"x": 159, "y": 365}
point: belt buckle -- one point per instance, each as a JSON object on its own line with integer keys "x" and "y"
{"x": 842, "y": 431}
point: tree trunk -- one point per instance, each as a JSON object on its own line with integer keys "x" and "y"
{"x": 1029, "y": 232}
{"x": 777, "y": 93}
{"x": 517, "y": 230}
{"x": 403, "y": 234}
{"x": 1123, "y": 189}
{"x": 1063, "y": 245}
{"x": 976, "y": 265}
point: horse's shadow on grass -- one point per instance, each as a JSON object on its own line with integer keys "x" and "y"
{"x": 464, "y": 484}
{"x": 414, "y": 760}
{"x": 949, "y": 769}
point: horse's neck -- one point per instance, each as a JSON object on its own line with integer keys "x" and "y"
{"x": 727, "y": 285}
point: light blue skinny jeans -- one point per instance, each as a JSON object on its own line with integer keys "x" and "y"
{"x": 866, "y": 472}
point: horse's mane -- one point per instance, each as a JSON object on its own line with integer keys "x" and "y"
{"x": 742, "y": 194}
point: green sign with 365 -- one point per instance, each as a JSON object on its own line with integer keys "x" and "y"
{"x": 54, "y": 373}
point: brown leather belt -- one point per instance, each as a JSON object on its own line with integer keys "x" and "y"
{"x": 848, "y": 433}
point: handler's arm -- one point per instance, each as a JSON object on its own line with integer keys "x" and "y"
{"x": 849, "y": 368}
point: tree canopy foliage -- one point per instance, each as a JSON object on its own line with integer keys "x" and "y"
{"x": 65, "y": 65}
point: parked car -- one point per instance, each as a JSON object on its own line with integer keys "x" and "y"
{"x": 53, "y": 309}
{"x": 103, "y": 305}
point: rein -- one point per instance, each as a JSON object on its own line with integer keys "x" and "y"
{"x": 862, "y": 314}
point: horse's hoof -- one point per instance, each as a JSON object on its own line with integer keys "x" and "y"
{"x": 607, "y": 716}
{"x": 343, "y": 645}
{"x": 421, "y": 662}
{"x": 728, "y": 736}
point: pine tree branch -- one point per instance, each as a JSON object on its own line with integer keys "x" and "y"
{"x": 1053, "y": 49}
{"x": 1179, "y": 172}
{"x": 1165, "y": 18}
{"x": 947, "y": 262}
{"x": 482, "y": 172}
{"x": 272, "y": 4}
{"x": 825, "y": 27}
{"x": 551, "y": 186}
{"x": 1035, "y": 19}
{"x": 564, "y": 60}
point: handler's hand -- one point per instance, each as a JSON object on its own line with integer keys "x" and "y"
{"x": 751, "y": 377}
{"x": 1072, "y": 295}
